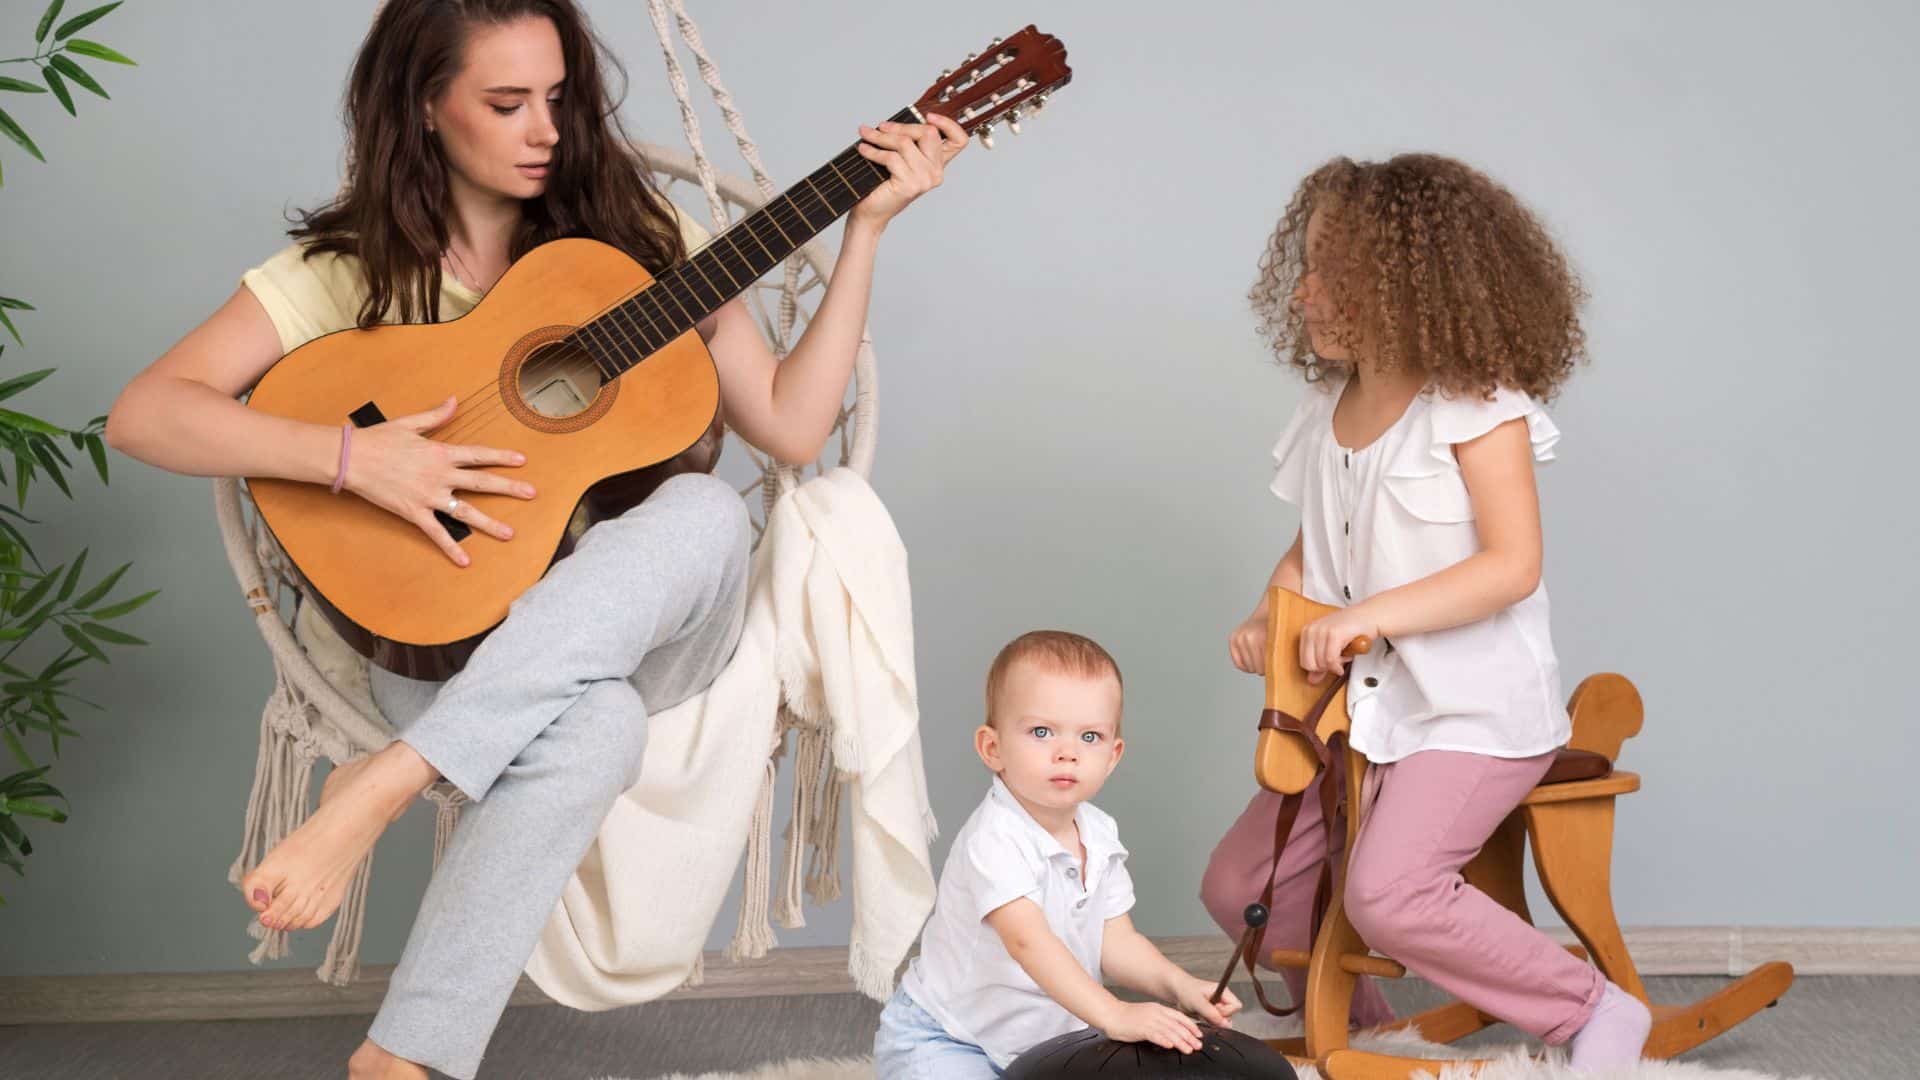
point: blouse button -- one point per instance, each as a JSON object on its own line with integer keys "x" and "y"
{"x": 1080, "y": 904}
{"x": 1348, "y": 593}
{"x": 1371, "y": 681}
{"x": 1072, "y": 873}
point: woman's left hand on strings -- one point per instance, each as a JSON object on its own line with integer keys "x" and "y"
{"x": 1324, "y": 639}
{"x": 915, "y": 157}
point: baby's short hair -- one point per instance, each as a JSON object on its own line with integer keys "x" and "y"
{"x": 1059, "y": 651}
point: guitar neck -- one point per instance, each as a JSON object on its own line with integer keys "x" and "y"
{"x": 730, "y": 263}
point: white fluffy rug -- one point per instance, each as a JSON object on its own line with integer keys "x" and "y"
{"x": 1513, "y": 1063}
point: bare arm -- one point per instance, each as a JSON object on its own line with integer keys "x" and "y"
{"x": 1023, "y": 929}
{"x": 1130, "y": 959}
{"x": 1498, "y": 468}
{"x": 182, "y": 414}
{"x": 788, "y": 408}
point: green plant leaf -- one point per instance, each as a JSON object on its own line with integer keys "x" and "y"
{"x": 36, "y": 810}
{"x": 73, "y": 576}
{"x": 97, "y": 449}
{"x": 99, "y": 52}
{"x": 124, "y": 607}
{"x": 20, "y": 86}
{"x": 111, "y": 636}
{"x": 99, "y": 591}
{"x": 53, "y": 470}
{"x": 13, "y": 743}
{"x": 85, "y": 644}
{"x": 33, "y": 596}
{"x": 46, "y": 21}
{"x": 8, "y": 323}
{"x": 20, "y": 382}
{"x": 59, "y": 87}
{"x": 78, "y": 74}
{"x": 17, "y": 305}
{"x": 10, "y": 829}
{"x": 29, "y": 423}
{"x": 82, "y": 21}
{"x": 18, "y": 134}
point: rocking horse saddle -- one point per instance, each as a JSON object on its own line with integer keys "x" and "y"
{"x": 1087, "y": 1054}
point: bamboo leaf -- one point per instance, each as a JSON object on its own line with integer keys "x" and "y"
{"x": 125, "y": 606}
{"x": 82, "y": 21}
{"x": 33, "y": 596}
{"x": 18, "y": 134}
{"x": 17, "y": 305}
{"x": 77, "y": 73}
{"x": 73, "y": 577}
{"x": 20, "y": 86}
{"x": 46, "y": 21}
{"x": 29, "y": 423}
{"x": 111, "y": 636}
{"x": 20, "y": 382}
{"x": 8, "y": 323}
{"x": 99, "y": 52}
{"x": 59, "y": 87}
{"x": 85, "y": 644}
{"x": 99, "y": 591}
{"x": 97, "y": 449}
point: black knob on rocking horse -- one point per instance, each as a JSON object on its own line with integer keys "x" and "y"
{"x": 1255, "y": 915}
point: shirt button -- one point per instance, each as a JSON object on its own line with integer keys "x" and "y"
{"x": 1348, "y": 593}
{"x": 1080, "y": 904}
{"x": 1072, "y": 873}
{"x": 1371, "y": 681}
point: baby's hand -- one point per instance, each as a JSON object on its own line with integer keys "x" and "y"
{"x": 1146, "y": 1021}
{"x": 1196, "y": 996}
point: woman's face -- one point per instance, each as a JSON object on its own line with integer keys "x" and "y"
{"x": 495, "y": 120}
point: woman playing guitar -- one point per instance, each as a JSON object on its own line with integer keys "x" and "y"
{"x": 479, "y": 130}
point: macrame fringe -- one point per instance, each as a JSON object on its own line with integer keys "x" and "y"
{"x": 753, "y": 936}
{"x": 278, "y": 803}
{"x": 341, "y": 965}
{"x": 447, "y": 801}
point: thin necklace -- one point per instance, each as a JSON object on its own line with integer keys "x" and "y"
{"x": 461, "y": 272}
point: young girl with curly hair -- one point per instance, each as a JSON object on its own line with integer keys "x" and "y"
{"x": 1431, "y": 315}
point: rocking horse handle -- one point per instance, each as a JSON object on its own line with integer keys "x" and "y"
{"x": 1361, "y": 644}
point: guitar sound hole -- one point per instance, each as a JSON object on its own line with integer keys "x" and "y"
{"x": 559, "y": 380}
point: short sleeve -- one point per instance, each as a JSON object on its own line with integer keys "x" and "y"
{"x": 1463, "y": 419}
{"x": 305, "y": 298}
{"x": 1292, "y": 453}
{"x": 996, "y": 873}
{"x": 1116, "y": 892}
{"x": 692, "y": 235}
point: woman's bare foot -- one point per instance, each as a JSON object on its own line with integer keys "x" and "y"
{"x": 303, "y": 879}
{"x": 337, "y": 779}
{"x": 371, "y": 1062}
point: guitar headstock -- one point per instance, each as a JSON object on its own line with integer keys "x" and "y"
{"x": 1009, "y": 81}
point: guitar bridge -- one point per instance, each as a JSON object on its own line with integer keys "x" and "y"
{"x": 368, "y": 415}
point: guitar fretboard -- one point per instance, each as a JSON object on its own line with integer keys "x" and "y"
{"x": 695, "y": 288}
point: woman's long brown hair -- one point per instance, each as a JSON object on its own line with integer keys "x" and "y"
{"x": 392, "y": 211}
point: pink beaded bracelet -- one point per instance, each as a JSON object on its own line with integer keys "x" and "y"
{"x": 346, "y": 440}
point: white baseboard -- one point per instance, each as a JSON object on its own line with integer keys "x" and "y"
{"x": 293, "y": 992}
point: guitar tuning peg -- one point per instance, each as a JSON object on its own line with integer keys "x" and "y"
{"x": 986, "y": 136}
{"x": 1013, "y": 121}
{"x": 1039, "y": 102}
{"x": 994, "y": 42}
{"x": 946, "y": 73}
{"x": 970, "y": 57}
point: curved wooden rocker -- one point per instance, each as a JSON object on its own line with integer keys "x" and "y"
{"x": 1568, "y": 822}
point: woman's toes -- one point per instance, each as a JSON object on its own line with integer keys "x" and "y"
{"x": 280, "y": 915}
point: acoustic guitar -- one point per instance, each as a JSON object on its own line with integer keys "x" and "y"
{"x": 579, "y": 358}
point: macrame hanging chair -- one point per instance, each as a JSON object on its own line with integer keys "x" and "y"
{"x": 313, "y": 712}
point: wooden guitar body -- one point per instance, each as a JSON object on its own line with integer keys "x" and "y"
{"x": 402, "y": 601}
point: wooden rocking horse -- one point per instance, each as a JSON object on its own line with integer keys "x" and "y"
{"x": 1567, "y": 820}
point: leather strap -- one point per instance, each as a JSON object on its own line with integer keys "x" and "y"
{"x": 1332, "y": 783}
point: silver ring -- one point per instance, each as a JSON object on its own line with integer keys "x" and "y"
{"x": 453, "y": 506}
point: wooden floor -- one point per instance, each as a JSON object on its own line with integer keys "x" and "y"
{"x": 1835, "y": 1027}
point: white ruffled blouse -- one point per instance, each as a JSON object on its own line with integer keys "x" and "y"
{"x": 1397, "y": 511}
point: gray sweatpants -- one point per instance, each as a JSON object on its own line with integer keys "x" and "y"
{"x": 543, "y": 729}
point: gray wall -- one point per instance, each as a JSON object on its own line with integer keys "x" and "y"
{"x": 1077, "y": 413}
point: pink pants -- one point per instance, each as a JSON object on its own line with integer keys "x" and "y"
{"x": 1430, "y": 815}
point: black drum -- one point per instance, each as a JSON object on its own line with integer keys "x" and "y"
{"x": 1086, "y": 1054}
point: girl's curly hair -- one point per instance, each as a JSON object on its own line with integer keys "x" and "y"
{"x": 1430, "y": 266}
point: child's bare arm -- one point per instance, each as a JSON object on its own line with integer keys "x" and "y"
{"x": 1133, "y": 961}
{"x": 1023, "y": 929}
